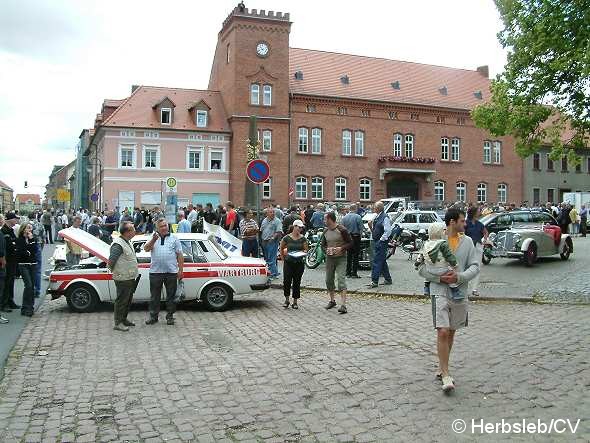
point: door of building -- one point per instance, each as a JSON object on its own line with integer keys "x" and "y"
{"x": 403, "y": 187}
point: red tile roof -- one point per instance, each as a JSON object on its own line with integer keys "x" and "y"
{"x": 111, "y": 102}
{"x": 22, "y": 198}
{"x": 136, "y": 111}
{"x": 5, "y": 186}
{"x": 371, "y": 78}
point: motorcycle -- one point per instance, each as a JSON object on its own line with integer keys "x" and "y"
{"x": 410, "y": 242}
{"x": 315, "y": 255}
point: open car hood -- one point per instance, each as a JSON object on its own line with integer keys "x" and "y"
{"x": 87, "y": 241}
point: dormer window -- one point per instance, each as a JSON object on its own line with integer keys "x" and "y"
{"x": 165, "y": 116}
{"x": 202, "y": 118}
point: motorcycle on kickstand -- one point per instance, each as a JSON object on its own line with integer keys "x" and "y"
{"x": 410, "y": 242}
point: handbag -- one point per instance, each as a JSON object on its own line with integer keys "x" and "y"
{"x": 179, "y": 295}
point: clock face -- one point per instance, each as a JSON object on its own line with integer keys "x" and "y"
{"x": 262, "y": 49}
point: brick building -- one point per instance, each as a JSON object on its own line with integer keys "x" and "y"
{"x": 334, "y": 127}
{"x": 341, "y": 127}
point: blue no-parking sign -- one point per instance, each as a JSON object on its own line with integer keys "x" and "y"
{"x": 258, "y": 171}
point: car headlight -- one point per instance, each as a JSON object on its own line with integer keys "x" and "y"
{"x": 516, "y": 238}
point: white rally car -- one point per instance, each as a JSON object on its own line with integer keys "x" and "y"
{"x": 210, "y": 275}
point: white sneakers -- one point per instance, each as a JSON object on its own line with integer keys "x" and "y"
{"x": 448, "y": 384}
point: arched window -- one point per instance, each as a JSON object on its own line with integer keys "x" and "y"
{"x": 397, "y": 145}
{"x": 409, "y": 145}
{"x": 482, "y": 193}
{"x": 439, "y": 191}
{"x": 365, "y": 189}
{"x": 502, "y": 193}
{"x": 267, "y": 95}
{"x": 461, "y": 191}
{"x": 346, "y": 142}
{"x": 455, "y": 149}
{"x": 359, "y": 143}
{"x": 487, "y": 151}
{"x": 301, "y": 188}
{"x": 444, "y": 148}
{"x": 340, "y": 188}
{"x": 317, "y": 188}
{"x": 316, "y": 141}
{"x": 303, "y": 140}
{"x": 254, "y": 94}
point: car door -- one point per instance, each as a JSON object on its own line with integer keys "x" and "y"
{"x": 142, "y": 293}
{"x": 196, "y": 268}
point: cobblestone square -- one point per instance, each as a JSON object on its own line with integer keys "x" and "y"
{"x": 264, "y": 373}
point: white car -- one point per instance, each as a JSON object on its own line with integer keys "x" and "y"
{"x": 210, "y": 275}
{"x": 415, "y": 221}
{"x": 391, "y": 206}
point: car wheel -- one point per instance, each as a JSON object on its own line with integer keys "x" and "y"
{"x": 530, "y": 256}
{"x": 217, "y": 297}
{"x": 485, "y": 259}
{"x": 567, "y": 249}
{"x": 82, "y": 298}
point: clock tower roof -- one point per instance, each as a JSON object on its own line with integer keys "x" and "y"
{"x": 240, "y": 11}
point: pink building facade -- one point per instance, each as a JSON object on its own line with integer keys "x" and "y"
{"x": 158, "y": 133}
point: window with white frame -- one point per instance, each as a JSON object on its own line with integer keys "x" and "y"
{"x": 461, "y": 191}
{"x": 340, "y": 188}
{"x": 301, "y": 188}
{"x": 482, "y": 193}
{"x": 165, "y": 116}
{"x": 365, "y": 189}
{"x": 487, "y": 151}
{"x": 127, "y": 156}
{"x": 316, "y": 141}
{"x": 346, "y": 142}
{"x": 151, "y": 134}
{"x": 151, "y": 157}
{"x": 439, "y": 191}
{"x": 497, "y": 152}
{"x": 201, "y": 118}
{"x": 397, "y": 145}
{"x": 216, "y": 161}
{"x": 194, "y": 158}
{"x": 444, "y": 148}
{"x": 254, "y": 94}
{"x": 267, "y": 140}
{"x": 267, "y": 95}
{"x": 455, "y": 150}
{"x": 409, "y": 145}
{"x": 359, "y": 143}
{"x": 317, "y": 188}
{"x": 502, "y": 193}
{"x": 127, "y": 133}
{"x": 303, "y": 140}
{"x": 266, "y": 189}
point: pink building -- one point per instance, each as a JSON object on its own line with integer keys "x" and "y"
{"x": 158, "y": 133}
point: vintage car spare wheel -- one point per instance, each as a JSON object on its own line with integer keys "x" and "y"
{"x": 567, "y": 249}
{"x": 82, "y": 298}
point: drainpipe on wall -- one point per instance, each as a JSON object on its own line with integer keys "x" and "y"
{"x": 289, "y": 154}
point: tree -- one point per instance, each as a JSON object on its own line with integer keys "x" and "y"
{"x": 543, "y": 96}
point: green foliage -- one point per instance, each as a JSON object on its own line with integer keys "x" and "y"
{"x": 543, "y": 96}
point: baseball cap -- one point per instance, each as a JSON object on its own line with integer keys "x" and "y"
{"x": 298, "y": 223}
{"x": 10, "y": 216}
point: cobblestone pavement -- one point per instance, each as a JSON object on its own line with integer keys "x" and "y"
{"x": 263, "y": 373}
{"x": 551, "y": 279}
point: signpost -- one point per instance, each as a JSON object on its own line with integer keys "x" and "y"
{"x": 94, "y": 197}
{"x": 171, "y": 193}
{"x": 258, "y": 171}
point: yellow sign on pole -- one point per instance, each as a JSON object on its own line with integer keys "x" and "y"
{"x": 63, "y": 195}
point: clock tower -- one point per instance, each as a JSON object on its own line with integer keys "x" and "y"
{"x": 251, "y": 70}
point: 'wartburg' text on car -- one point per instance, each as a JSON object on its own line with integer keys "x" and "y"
{"x": 210, "y": 275}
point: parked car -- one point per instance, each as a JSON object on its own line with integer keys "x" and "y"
{"x": 210, "y": 275}
{"x": 416, "y": 221}
{"x": 391, "y": 206}
{"x": 501, "y": 221}
{"x": 528, "y": 244}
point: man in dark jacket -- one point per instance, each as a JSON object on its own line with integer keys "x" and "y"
{"x": 290, "y": 218}
{"x": 7, "y": 303}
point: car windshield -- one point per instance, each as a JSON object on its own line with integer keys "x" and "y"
{"x": 486, "y": 219}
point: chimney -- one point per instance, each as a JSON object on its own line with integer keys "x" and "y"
{"x": 135, "y": 87}
{"x": 484, "y": 70}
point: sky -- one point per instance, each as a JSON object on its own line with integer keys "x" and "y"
{"x": 60, "y": 58}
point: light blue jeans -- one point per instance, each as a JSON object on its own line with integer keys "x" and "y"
{"x": 270, "y": 255}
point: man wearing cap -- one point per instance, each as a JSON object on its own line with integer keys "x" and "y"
{"x": 7, "y": 300}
